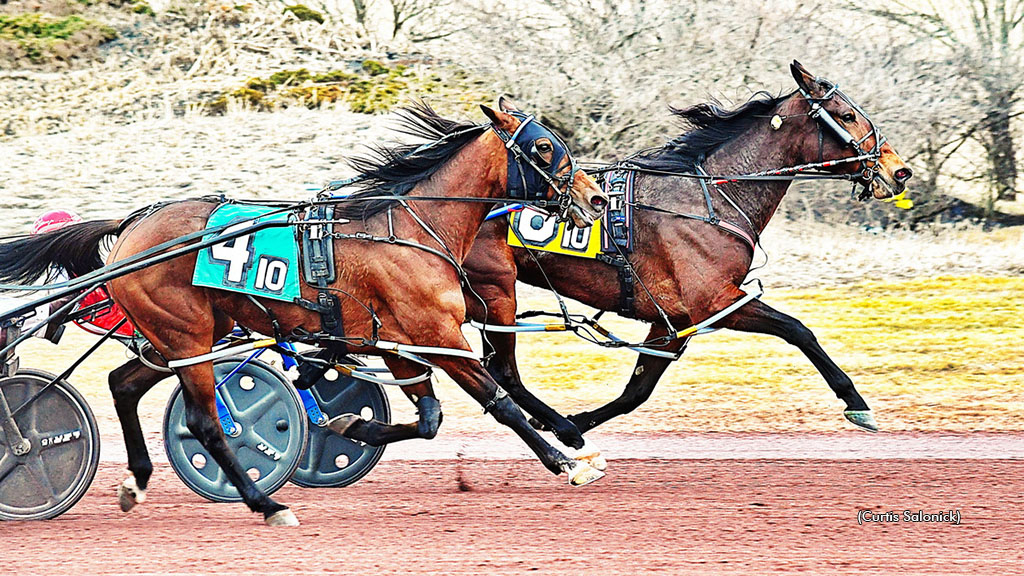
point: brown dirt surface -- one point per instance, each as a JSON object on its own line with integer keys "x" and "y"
{"x": 653, "y": 516}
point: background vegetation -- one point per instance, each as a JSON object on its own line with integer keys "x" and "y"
{"x": 943, "y": 79}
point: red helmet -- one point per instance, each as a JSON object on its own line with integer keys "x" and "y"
{"x": 54, "y": 220}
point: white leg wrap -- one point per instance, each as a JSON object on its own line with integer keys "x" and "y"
{"x": 580, "y": 473}
{"x": 591, "y": 455}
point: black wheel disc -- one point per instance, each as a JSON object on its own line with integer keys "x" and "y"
{"x": 269, "y": 443}
{"x": 65, "y": 448}
{"x": 332, "y": 460}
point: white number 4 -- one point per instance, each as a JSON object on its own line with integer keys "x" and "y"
{"x": 235, "y": 252}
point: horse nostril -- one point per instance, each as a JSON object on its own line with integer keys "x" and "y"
{"x": 599, "y": 202}
{"x": 902, "y": 175}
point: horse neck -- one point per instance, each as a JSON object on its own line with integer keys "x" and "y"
{"x": 478, "y": 170}
{"x": 759, "y": 148}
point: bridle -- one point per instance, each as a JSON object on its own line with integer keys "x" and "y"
{"x": 868, "y": 158}
{"x": 532, "y": 185}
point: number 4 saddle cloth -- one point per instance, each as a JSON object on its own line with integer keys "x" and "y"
{"x": 609, "y": 235}
{"x": 263, "y": 263}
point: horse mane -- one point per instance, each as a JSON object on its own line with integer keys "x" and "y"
{"x": 708, "y": 126}
{"x": 395, "y": 170}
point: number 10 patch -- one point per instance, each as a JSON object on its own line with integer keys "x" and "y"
{"x": 264, "y": 263}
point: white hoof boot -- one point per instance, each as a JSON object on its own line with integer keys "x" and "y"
{"x": 129, "y": 494}
{"x": 282, "y": 518}
{"x": 580, "y": 473}
{"x": 591, "y": 455}
{"x": 339, "y": 424}
{"x": 863, "y": 419}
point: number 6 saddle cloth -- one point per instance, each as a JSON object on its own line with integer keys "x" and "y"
{"x": 609, "y": 235}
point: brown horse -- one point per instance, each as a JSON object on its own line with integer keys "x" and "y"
{"x": 694, "y": 268}
{"x": 414, "y": 296}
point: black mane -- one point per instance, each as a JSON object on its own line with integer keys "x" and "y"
{"x": 708, "y": 127}
{"x": 394, "y": 170}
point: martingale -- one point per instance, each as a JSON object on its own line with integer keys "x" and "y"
{"x": 534, "y": 229}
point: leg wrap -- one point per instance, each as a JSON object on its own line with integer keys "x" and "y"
{"x": 309, "y": 374}
{"x": 499, "y": 395}
{"x": 430, "y": 416}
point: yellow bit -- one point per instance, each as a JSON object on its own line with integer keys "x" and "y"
{"x": 895, "y": 197}
{"x": 905, "y": 203}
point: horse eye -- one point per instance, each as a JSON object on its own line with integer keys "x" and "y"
{"x": 544, "y": 147}
{"x": 848, "y": 117}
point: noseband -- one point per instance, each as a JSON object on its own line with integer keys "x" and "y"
{"x": 867, "y": 157}
{"x": 532, "y": 185}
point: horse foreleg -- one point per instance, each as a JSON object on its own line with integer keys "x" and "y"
{"x": 760, "y": 318}
{"x": 377, "y": 433}
{"x": 471, "y": 376}
{"x": 505, "y": 371}
{"x": 128, "y": 384}
{"x": 644, "y": 378}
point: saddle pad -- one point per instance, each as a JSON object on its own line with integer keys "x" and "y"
{"x": 541, "y": 232}
{"x": 265, "y": 263}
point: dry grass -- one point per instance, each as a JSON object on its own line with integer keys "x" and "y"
{"x": 936, "y": 354}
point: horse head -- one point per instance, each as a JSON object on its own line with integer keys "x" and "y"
{"x": 550, "y": 171}
{"x": 847, "y": 141}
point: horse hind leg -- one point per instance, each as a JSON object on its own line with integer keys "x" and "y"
{"x": 377, "y": 433}
{"x": 128, "y": 384}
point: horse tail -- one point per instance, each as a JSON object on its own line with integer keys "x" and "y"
{"x": 75, "y": 248}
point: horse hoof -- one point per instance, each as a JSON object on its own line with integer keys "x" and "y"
{"x": 129, "y": 494}
{"x": 592, "y": 456}
{"x": 340, "y": 424}
{"x": 863, "y": 419}
{"x": 282, "y": 518}
{"x": 580, "y": 473}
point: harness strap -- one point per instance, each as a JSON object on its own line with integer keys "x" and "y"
{"x": 627, "y": 283}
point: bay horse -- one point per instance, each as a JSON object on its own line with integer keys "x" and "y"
{"x": 693, "y": 268}
{"x": 434, "y": 196}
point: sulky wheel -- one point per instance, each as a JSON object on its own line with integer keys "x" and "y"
{"x": 332, "y": 460}
{"x": 268, "y": 435}
{"x": 63, "y": 451}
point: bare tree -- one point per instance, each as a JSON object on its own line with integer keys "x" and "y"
{"x": 981, "y": 42}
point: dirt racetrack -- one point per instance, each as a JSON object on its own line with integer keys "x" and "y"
{"x": 700, "y": 516}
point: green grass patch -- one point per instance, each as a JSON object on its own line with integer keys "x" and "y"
{"x": 305, "y": 13}
{"x": 371, "y": 88}
{"x": 42, "y": 38}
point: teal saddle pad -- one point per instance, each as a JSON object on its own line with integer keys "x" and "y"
{"x": 265, "y": 263}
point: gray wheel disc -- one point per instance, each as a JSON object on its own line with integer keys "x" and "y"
{"x": 272, "y": 436}
{"x": 65, "y": 452}
{"x": 332, "y": 460}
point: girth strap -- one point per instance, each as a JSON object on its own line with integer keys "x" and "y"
{"x": 627, "y": 283}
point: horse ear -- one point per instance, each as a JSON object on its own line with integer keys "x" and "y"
{"x": 805, "y": 80}
{"x": 505, "y": 104}
{"x": 499, "y": 119}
